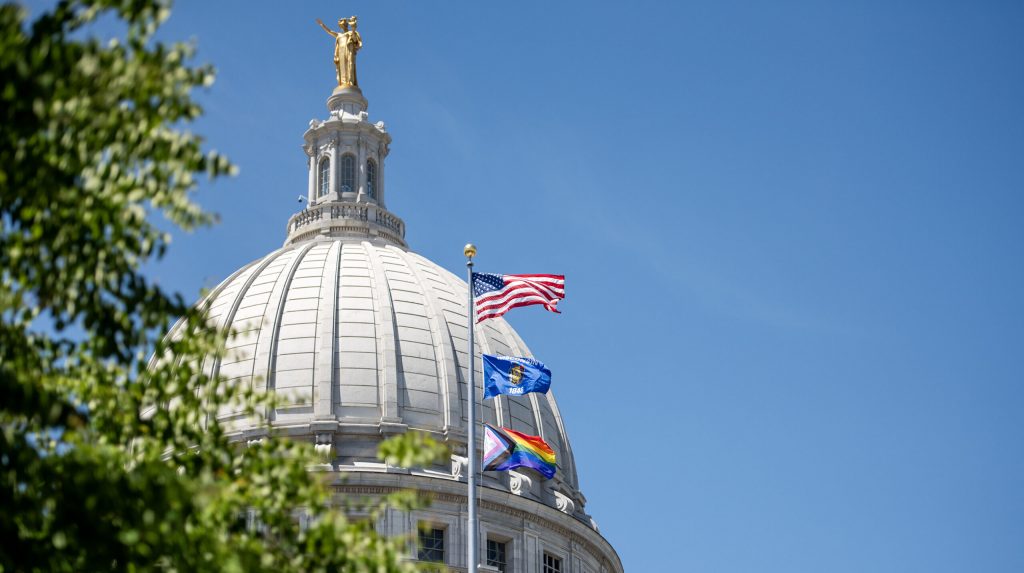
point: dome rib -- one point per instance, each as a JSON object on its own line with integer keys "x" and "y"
{"x": 326, "y": 344}
{"x": 254, "y": 270}
{"x": 418, "y": 378}
{"x": 359, "y": 398}
{"x": 445, "y": 360}
{"x": 388, "y": 350}
{"x": 270, "y": 334}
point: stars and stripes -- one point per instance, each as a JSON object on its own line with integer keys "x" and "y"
{"x": 497, "y": 294}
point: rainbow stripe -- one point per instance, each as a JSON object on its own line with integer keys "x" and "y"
{"x": 506, "y": 449}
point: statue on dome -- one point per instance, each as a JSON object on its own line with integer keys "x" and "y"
{"x": 346, "y": 43}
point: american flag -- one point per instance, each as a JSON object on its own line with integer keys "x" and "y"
{"x": 497, "y": 294}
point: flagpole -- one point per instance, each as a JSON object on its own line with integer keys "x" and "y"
{"x": 471, "y": 549}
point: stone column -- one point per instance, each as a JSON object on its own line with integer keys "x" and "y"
{"x": 380, "y": 175}
{"x": 360, "y": 169}
{"x": 334, "y": 167}
{"x": 531, "y": 554}
{"x": 313, "y": 165}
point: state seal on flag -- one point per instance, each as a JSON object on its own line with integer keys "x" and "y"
{"x": 515, "y": 374}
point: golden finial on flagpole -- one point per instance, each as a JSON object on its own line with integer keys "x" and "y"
{"x": 469, "y": 250}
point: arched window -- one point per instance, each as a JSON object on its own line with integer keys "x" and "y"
{"x": 371, "y": 178}
{"x": 325, "y": 177}
{"x": 348, "y": 173}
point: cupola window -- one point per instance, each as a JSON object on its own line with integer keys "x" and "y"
{"x": 325, "y": 177}
{"x": 371, "y": 178}
{"x": 348, "y": 173}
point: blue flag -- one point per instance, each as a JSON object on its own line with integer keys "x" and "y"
{"x": 514, "y": 375}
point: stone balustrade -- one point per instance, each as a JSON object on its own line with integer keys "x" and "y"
{"x": 346, "y": 218}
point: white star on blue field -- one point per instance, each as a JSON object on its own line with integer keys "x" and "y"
{"x": 486, "y": 282}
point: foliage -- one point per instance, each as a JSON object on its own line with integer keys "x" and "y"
{"x": 109, "y": 461}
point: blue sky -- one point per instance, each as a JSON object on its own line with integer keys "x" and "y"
{"x": 792, "y": 232}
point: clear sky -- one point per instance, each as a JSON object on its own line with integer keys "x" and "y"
{"x": 793, "y": 234}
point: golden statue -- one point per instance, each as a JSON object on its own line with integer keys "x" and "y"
{"x": 346, "y": 43}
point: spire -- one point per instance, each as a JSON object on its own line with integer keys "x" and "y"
{"x": 345, "y": 156}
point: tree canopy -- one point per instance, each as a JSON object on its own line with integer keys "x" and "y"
{"x": 111, "y": 460}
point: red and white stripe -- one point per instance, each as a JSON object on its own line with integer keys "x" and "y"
{"x": 521, "y": 290}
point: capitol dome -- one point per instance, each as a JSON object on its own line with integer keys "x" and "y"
{"x": 360, "y": 338}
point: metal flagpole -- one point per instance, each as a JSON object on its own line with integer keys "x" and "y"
{"x": 471, "y": 549}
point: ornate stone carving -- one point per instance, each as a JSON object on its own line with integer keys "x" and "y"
{"x": 459, "y": 464}
{"x": 324, "y": 448}
{"x": 519, "y": 483}
{"x": 564, "y": 503}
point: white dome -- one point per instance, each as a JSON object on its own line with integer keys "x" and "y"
{"x": 363, "y": 340}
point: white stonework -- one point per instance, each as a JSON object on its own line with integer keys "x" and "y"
{"x": 365, "y": 339}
